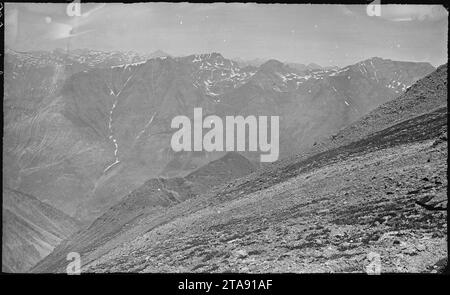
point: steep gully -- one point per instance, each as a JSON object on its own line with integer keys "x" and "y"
{"x": 112, "y": 137}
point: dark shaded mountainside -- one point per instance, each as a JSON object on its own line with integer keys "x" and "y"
{"x": 31, "y": 230}
{"x": 85, "y": 128}
{"x": 360, "y": 193}
{"x": 152, "y": 198}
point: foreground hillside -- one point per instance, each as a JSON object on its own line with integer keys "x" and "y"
{"x": 123, "y": 221}
{"x": 327, "y": 214}
{"x": 31, "y": 230}
{"x": 382, "y": 191}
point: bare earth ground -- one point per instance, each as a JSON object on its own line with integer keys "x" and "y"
{"x": 324, "y": 214}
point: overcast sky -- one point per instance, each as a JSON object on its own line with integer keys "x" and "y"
{"x": 323, "y": 34}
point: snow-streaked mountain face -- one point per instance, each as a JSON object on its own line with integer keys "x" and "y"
{"x": 84, "y": 130}
{"x": 215, "y": 75}
{"x": 249, "y": 63}
{"x": 82, "y": 57}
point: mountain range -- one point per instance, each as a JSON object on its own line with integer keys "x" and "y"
{"x": 369, "y": 189}
{"x": 83, "y": 130}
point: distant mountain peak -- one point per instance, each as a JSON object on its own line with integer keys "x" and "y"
{"x": 216, "y": 54}
{"x": 158, "y": 53}
{"x": 208, "y": 55}
{"x": 272, "y": 65}
{"x": 314, "y": 66}
{"x": 254, "y": 62}
{"x": 380, "y": 60}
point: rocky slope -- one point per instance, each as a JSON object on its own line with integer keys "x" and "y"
{"x": 426, "y": 95}
{"x": 84, "y": 130}
{"x": 357, "y": 202}
{"x": 121, "y": 221}
{"x": 379, "y": 193}
{"x": 31, "y": 230}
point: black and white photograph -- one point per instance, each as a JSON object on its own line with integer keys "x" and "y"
{"x": 218, "y": 138}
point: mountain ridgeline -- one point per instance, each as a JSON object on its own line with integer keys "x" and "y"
{"x": 122, "y": 221}
{"x": 87, "y": 128}
{"x": 378, "y": 185}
